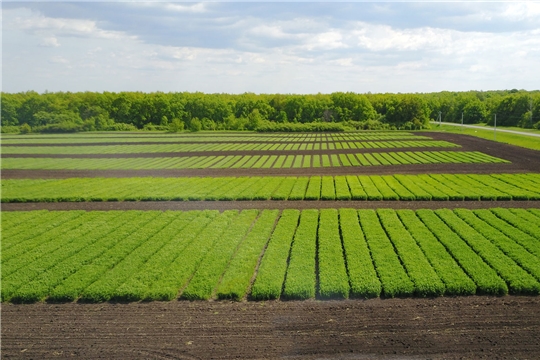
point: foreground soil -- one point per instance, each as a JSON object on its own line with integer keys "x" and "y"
{"x": 449, "y": 328}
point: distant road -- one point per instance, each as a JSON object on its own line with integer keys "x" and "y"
{"x": 488, "y": 128}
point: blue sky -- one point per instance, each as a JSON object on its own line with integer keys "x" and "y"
{"x": 274, "y": 47}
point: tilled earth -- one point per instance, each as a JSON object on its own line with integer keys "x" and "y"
{"x": 269, "y": 204}
{"x": 446, "y": 328}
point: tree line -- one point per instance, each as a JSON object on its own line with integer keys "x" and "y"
{"x": 91, "y": 111}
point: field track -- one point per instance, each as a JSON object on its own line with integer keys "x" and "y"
{"x": 270, "y": 204}
{"x": 450, "y": 328}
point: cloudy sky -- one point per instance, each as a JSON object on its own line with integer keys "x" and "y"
{"x": 270, "y": 47}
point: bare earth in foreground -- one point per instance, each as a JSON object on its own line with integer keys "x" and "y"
{"x": 460, "y": 327}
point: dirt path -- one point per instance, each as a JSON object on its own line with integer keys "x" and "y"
{"x": 269, "y": 204}
{"x": 449, "y": 328}
{"x": 230, "y": 153}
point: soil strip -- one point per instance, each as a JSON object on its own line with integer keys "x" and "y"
{"x": 269, "y": 204}
{"x": 449, "y": 328}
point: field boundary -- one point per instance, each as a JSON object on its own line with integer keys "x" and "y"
{"x": 266, "y": 204}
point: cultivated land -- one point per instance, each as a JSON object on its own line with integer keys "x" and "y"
{"x": 427, "y": 227}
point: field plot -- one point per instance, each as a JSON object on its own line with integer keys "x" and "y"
{"x": 246, "y": 161}
{"x": 220, "y": 147}
{"x": 207, "y": 137}
{"x": 152, "y": 255}
{"x": 417, "y": 225}
{"x": 437, "y": 187}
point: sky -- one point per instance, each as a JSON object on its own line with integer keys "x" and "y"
{"x": 270, "y": 47}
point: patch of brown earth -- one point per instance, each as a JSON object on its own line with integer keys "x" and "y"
{"x": 441, "y": 328}
{"x": 269, "y": 204}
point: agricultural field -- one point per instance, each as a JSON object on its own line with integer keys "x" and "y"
{"x": 331, "y": 228}
{"x": 332, "y": 253}
{"x": 436, "y": 187}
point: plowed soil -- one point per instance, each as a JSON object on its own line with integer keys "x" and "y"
{"x": 270, "y": 204}
{"x": 522, "y": 161}
{"x": 440, "y": 328}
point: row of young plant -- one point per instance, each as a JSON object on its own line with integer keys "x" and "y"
{"x": 206, "y": 137}
{"x": 440, "y": 187}
{"x": 329, "y": 253}
{"x": 252, "y": 161}
{"x": 173, "y": 148}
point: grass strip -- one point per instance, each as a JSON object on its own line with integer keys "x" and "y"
{"x": 454, "y": 278}
{"x": 486, "y": 279}
{"x": 395, "y": 281}
{"x": 210, "y": 269}
{"x": 271, "y": 274}
{"x": 363, "y": 279}
{"x": 426, "y": 282}
{"x": 237, "y": 278}
{"x": 333, "y": 279}
{"x": 300, "y": 278}
{"x": 518, "y": 280}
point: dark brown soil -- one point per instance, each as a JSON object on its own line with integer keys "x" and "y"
{"x": 280, "y": 205}
{"x": 522, "y": 161}
{"x": 442, "y": 328}
{"x": 230, "y": 153}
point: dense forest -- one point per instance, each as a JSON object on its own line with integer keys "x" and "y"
{"x": 90, "y": 111}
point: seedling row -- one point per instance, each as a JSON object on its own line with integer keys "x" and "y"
{"x": 220, "y": 146}
{"x": 441, "y": 187}
{"x": 204, "y": 137}
{"x": 331, "y": 253}
{"x": 254, "y": 161}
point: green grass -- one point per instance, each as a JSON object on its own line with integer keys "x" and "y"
{"x": 98, "y": 256}
{"x": 525, "y": 141}
{"x": 455, "y": 187}
{"x": 240, "y": 161}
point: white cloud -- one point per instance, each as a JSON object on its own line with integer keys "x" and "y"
{"x": 250, "y": 52}
{"x": 57, "y": 27}
{"x": 59, "y": 60}
{"x": 50, "y": 41}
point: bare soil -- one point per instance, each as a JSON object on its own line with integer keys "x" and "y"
{"x": 229, "y": 152}
{"x": 269, "y": 204}
{"x": 522, "y": 161}
{"x": 441, "y": 328}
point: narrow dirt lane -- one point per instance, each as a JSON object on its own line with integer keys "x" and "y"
{"x": 268, "y": 204}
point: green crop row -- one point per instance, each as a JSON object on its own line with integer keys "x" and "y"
{"x": 250, "y": 161}
{"x": 397, "y": 187}
{"x": 330, "y": 253}
{"x": 221, "y": 146}
{"x": 205, "y": 138}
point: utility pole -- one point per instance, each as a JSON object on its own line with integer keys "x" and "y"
{"x": 462, "y": 121}
{"x": 530, "y": 111}
{"x": 440, "y": 118}
{"x": 495, "y": 129}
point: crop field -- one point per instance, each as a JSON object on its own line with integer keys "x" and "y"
{"x": 254, "y": 162}
{"x": 440, "y": 187}
{"x": 205, "y": 138}
{"x": 279, "y": 245}
{"x": 331, "y": 253}
{"x": 221, "y": 146}
{"x": 256, "y": 254}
